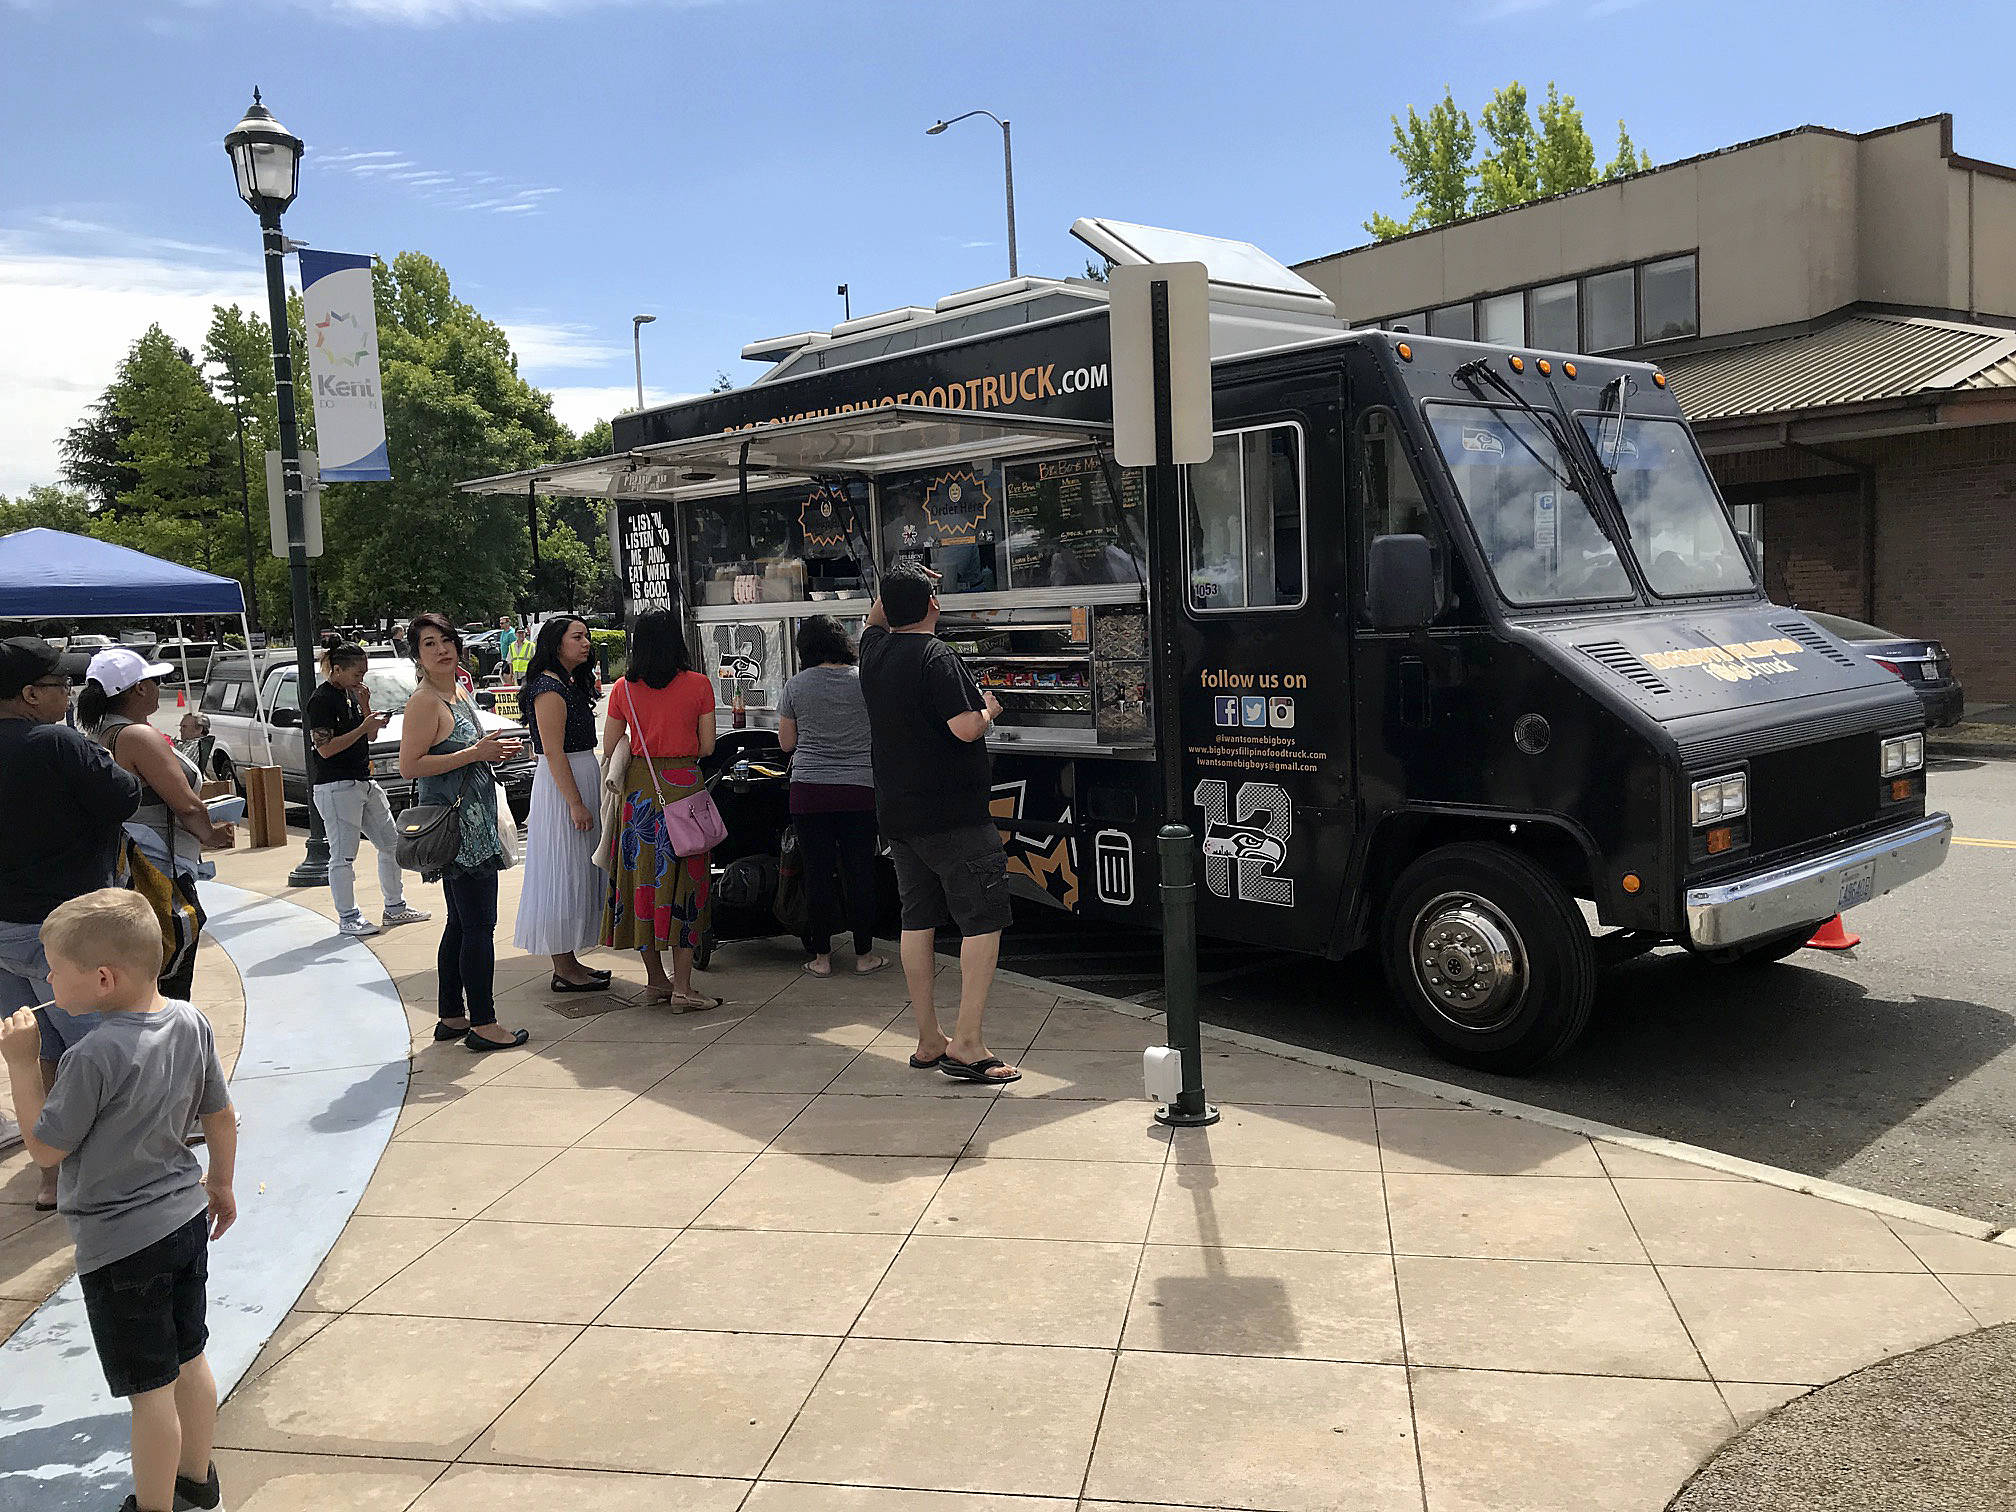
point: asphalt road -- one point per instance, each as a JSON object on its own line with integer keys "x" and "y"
{"x": 1891, "y": 1068}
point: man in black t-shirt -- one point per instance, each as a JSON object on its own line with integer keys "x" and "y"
{"x": 929, "y": 723}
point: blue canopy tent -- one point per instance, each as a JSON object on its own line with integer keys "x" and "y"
{"x": 50, "y": 574}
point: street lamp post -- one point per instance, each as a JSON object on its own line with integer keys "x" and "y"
{"x": 846, "y": 302}
{"x": 266, "y": 158}
{"x": 1008, "y": 172}
{"x": 637, "y": 324}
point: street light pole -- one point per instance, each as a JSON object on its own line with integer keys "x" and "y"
{"x": 1007, "y": 171}
{"x": 637, "y": 324}
{"x": 267, "y": 161}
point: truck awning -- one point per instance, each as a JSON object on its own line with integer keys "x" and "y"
{"x": 889, "y": 438}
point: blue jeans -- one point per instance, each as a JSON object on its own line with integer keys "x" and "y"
{"x": 24, "y": 983}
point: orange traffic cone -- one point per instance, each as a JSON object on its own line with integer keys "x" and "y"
{"x": 181, "y": 698}
{"x": 1831, "y": 936}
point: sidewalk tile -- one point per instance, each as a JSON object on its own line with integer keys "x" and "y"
{"x": 1955, "y": 1254}
{"x": 1293, "y": 1303}
{"x": 652, "y": 1189}
{"x": 1081, "y": 1076}
{"x": 1808, "y": 1326}
{"x": 1753, "y": 1226}
{"x": 1314, "y": 1139}
{"x": 878, "y": 1418}
{"x": 522, "y": 1272}
{"x": 745, "y": 1121}
{"x": 1542, "y": 1315}
{"x": 36, "y": 1260}
{"x": 19, "y": 1177}
{"x": 597, "y": 1064}
{"x": 1004, "y": 1291}
{"x": 884, "y": 1070}
{"x": 1074, "y": 1028}
{"x": 296, "y": 1329}
{"x": 839, "y": 1025}
{"x": 757, "y": 1281}
{"x": 1271, "y": 1209}
{"x": 842, "y": 1124}
{"x": 1492, "y": 1442}
{"x": 264, "y": 1482}
{"x": 1627, "y": 1164}
{"x": 1386, "y": 1095}
{"x": 1293, "y": 1435}
{"x": 1510, "y": 1218}
{"x": 15, "y": 1216}
{"x": 1750, "y": 1403}
{"x": 446, "y": 1181}
{"x": 727, "y": 1067}
{"x": 1464, "y": 1141}
{"x": 798, "y": 1496}
{"x": 1992, "y": 1299}
{"x": 1041, "y": 1128}
{"x": 494, "y": 1115}
{"x": 1045, "y": 1199}
{"x": 370, "y": 1252}
{"x": 642, "y": 1399}
{"x": 486, "y": 1488}
{"x": 840, "y": 1194}
{"x": 1248, "y": 1076}
{"x": 13, "y": 1315}
{"x": 403, "y": 1388}
{"x": 656, "y": 1024}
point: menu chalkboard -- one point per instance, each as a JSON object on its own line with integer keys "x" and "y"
{"x": 1065, "y": 527}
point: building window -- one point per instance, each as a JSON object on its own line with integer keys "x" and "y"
{"x": 1609, "y": 310}
{"x": 1457, "y": 320}
{"x": 1671, "y": 300}
{"x": 1554, "y": 320}
{"x": 1415, "y": 324}
{"x": 1244, "y": 525}
{"x": 1503, "y": 319}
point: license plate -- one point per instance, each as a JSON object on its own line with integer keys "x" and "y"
{"x": 1858, "y": 885}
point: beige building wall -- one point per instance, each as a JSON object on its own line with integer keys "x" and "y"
{"x": 1788, "y": 230}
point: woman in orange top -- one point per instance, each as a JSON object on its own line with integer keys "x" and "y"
{"x": 659, "y": 901}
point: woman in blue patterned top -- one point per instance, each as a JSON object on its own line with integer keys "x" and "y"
{"x": 443, "y": 747}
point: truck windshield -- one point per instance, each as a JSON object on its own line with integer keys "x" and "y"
{"x": 1539, "y": 536}
{"x": 1678, "y": 530}
{"x": 391, "y": 684}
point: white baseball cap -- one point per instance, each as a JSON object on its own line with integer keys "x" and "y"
{"x": 117, "y": 668}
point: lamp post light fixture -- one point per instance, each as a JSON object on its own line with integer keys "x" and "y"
{"x": 266, "y": 158}
{"x": 637, "y": 324}
{"x": 1008, "y": 172}
{"x": 846, "y": 302}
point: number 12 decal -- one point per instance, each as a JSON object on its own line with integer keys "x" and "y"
{"x": 1237, "y": 848}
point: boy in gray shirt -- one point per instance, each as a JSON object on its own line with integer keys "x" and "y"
{"x": 139, "y": 1207}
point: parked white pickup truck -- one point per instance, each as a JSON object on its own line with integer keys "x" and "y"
{"x": 241, "y": 737}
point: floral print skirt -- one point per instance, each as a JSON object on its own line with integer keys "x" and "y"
{"x": 656, "y": 900}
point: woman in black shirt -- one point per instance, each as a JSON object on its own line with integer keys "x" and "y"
{"x": 343, "y": 724}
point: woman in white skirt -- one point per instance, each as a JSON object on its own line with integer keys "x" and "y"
{"x": 560, "y": 910}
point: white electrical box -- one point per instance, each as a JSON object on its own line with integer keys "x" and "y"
{"x": 1162, "y": 1072}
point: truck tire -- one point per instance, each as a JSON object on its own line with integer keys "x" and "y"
{"x": 1491, "y": 957}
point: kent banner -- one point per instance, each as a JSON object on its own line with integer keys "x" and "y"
{"x": 343, "y": 366}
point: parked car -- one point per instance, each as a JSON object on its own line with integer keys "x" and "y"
{"x": 194, "y": 655}
{"x": 1923, "y": 664}
{"x": 242, "y": 737}
{"x": 77, "y": 652}
{"x": 481, "y": 653}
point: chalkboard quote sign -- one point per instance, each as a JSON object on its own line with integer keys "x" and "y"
{"x": 1066, "y": 527}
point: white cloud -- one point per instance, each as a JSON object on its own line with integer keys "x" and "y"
{"x": 70, "y": 318}
{"x": 542, "y": 345}
{"x": 580, "y": 408}
{"x": 440, "y": 12}
{"x": 437, "y": 186}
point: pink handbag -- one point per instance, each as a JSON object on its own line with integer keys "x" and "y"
{"x": 693, "y": 824}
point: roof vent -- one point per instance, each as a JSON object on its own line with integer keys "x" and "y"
{"x": 1813, "y": 640}
{"x": 1620, "y": 659}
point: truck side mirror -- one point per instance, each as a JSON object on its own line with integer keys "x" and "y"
{"x": 286, "y": 719}
{"x": 1400, "y": 582}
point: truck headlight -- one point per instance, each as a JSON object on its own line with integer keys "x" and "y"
{"x": 1903, "y": 753}
{"x": 1719, "y": 798}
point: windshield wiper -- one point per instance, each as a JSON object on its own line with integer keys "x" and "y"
{"x": 1602, "y": 508}
{"x": 1471, "y": 371}
{"x": 1611, "y": 453}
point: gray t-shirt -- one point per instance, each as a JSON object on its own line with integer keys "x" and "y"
{"x": 833, "y": 742}
{"x": 124, "y": 1098}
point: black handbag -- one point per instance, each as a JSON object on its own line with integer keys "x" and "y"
{"x": 430, "y": 834}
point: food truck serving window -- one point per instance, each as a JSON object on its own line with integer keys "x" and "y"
{"x": 1678, "y": 530}
{"x": 781, "y": 546}
{"x": 953, "y": 521}
{"x": 1537, "y": 534}
{"x": 1243, "y": 522}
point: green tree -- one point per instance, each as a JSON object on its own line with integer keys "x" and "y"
{"x": 1435, "y": 162}
{"x": 1508, "y": 174}
{"x": 1629, "y": 158}
{"x": 238, "y": 356}
{"x": 1567, "y": 158}
{"x": 47, "y": 506}
{"x": 179, "y": 440}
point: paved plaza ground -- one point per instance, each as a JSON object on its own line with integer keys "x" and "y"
{"x": 750, "y": 1258}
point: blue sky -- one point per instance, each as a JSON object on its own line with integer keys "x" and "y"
{"x": 723, "y": 165}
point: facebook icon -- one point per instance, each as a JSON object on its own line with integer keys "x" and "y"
{"x": 1227, "y": 710}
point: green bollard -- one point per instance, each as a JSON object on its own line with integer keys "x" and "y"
{"x": 1179, "y": 976}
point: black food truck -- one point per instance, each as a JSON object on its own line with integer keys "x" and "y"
{"x": 1470, "y": 665}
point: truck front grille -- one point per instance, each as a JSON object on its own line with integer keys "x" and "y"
{"x": 1805, "y": 794}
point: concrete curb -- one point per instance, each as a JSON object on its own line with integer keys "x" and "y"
{"x": 1992, "y": 748}
{"x": 1672, "y": 1149}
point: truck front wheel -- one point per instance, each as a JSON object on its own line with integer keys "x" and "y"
{"x": 1491, "y": 956}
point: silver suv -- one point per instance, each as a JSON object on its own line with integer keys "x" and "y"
{"x": 242, "y": 738}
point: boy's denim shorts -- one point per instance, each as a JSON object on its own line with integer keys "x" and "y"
{"x": 149, "y": 1311}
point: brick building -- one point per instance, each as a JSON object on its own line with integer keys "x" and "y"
{"x": 1837, "y": 314}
